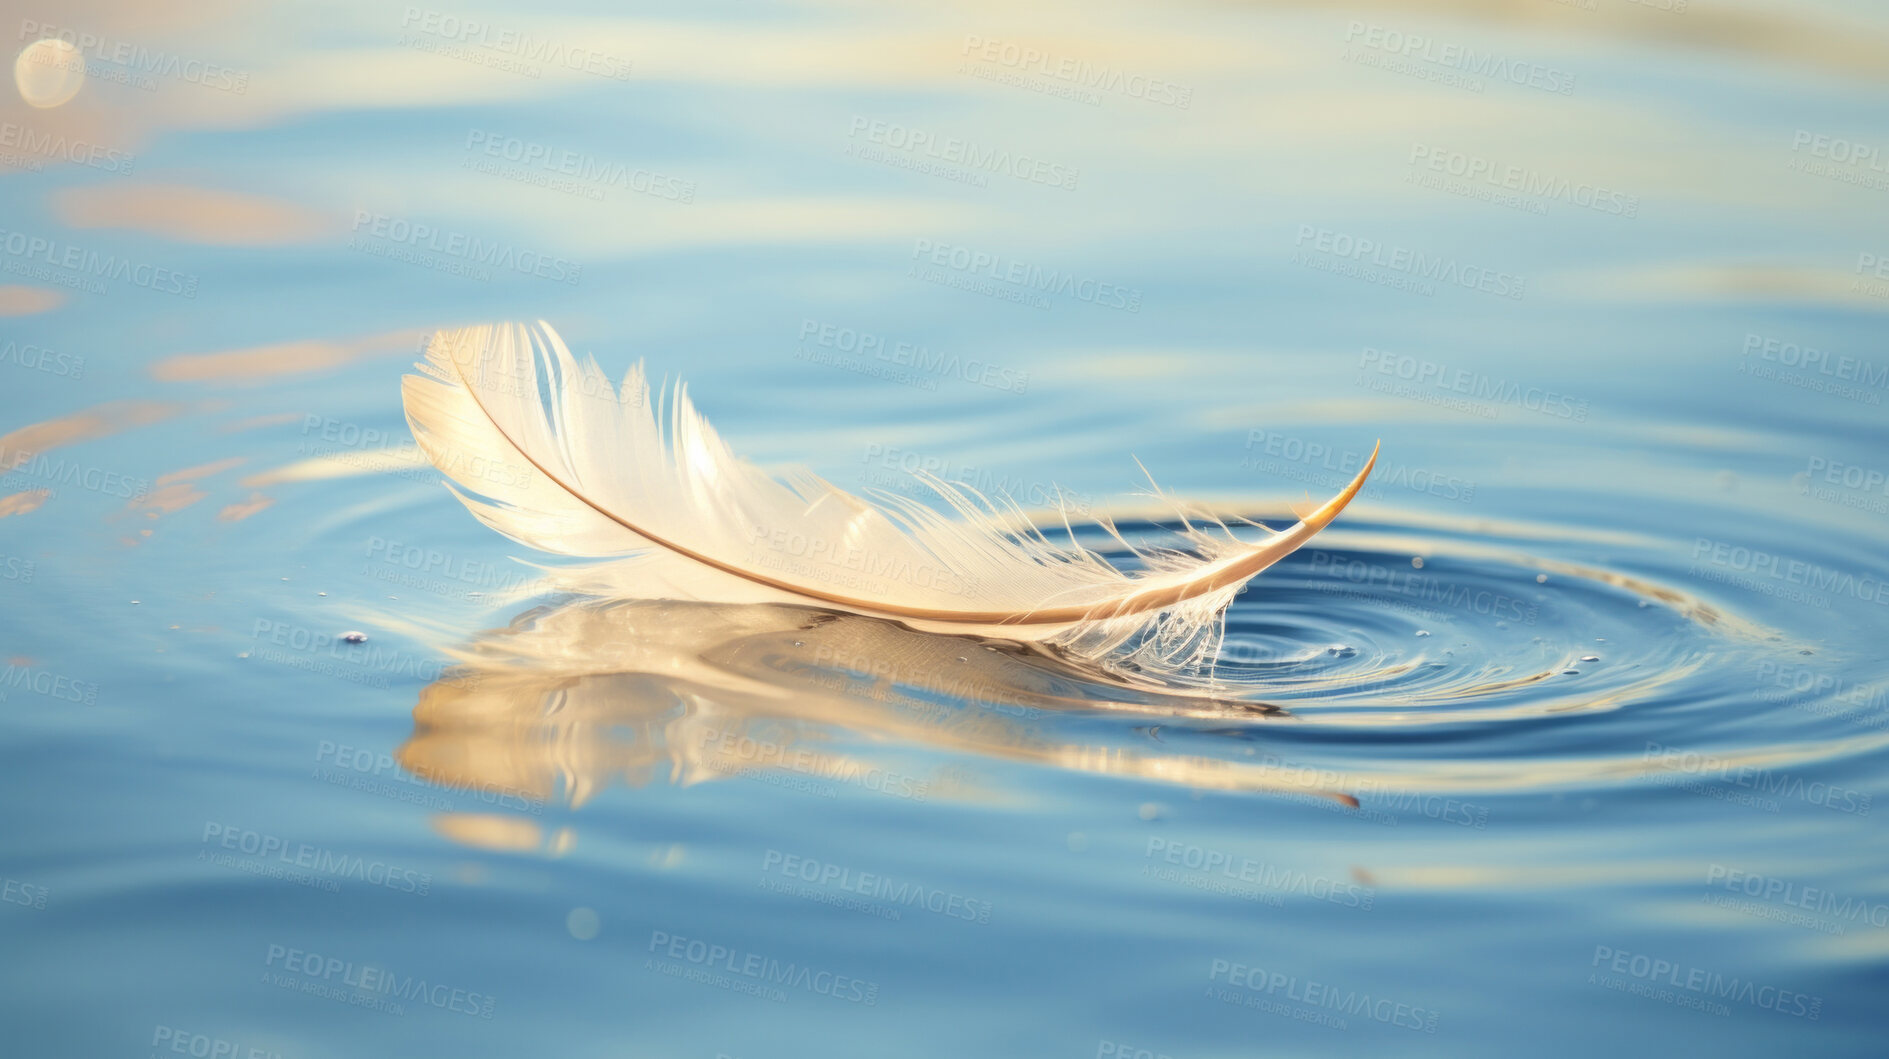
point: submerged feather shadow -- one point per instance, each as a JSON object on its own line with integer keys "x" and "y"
{"x": 545, "y": 449}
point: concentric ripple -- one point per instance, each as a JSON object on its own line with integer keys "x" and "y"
{"x": 1449, "y": 631}
{"x": 1393, "y": 655}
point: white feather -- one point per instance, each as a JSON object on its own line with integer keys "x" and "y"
{"x": 544, "y": 449}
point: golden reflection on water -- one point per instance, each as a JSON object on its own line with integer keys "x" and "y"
{"x": 267, "y": 362}
{"x": 191, "y": 214}
{"x": 572, "y": 698}
{"x": 23, "y": 502}
{"x": 25, "y": 301}
{"x": 575, "y": 697}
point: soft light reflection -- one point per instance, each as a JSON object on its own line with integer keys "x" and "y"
{"x": 258, "y": 363}
{"x": 26, "y": 301}
{"x": 21, "y": 503}
{"x": 191, "y": 214}
{"x": 574, "y": 698}
{"x": 101, "y": 421}
{"x": 49, "y": 73}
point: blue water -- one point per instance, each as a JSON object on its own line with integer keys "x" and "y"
{"x": 1568, "y": 736}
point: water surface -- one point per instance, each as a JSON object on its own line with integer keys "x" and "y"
{"x": 1566, "y": 737}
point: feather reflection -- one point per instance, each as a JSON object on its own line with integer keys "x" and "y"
{"x": 573, "y": 697}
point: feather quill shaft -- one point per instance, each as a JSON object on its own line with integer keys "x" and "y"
{"x": 544, "y": 449}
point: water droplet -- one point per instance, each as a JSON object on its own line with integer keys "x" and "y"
{"x": 1149, "y": 811}
{"x": 1417, "y": 561}
{"x": 1423, "y": 632}
{"x": 354, "y": 637}
{"x": 961, "y": 658}
{"x": 1570, "y": 672}
{"x": 321, "y": 593}
{"x": 135, "y": 602}
{"x": 1644, "y": 604}
{"x": 1590, "y": 658}
{"x": 1541, "y": 579}
{"x": 49, "y": 72}
{"x": 800, "y": 643}
{"x": 583, "y": 923}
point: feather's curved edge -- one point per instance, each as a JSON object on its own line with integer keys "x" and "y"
{"x": 686, "y": 425}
